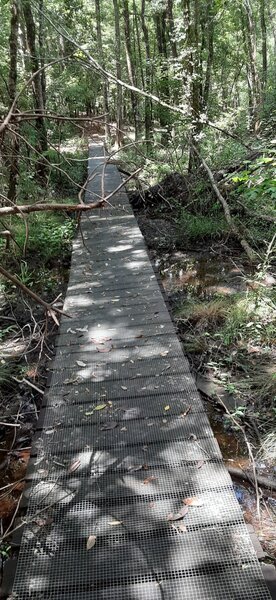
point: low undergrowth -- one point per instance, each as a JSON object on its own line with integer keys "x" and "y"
{"x": 232, "y": 340}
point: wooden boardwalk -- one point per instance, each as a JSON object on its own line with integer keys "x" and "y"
{"x": 124, "y": 440}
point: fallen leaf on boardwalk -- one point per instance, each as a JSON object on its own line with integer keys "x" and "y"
{"x": 88, "y": 414}
{"x": 114, "y": 522}
{"x": 135, "y": 468}
{"x": 100, "y": 407}
{"x": 80, "y": 363}
{"x": 100, "y": 340}
{"x": 82, "y": 329}
{"x": 149, "y": 479}
{"x": 186, "y": 412}
{"x": 167, "y": 407}
{"x": 164, "y": 353}
{"x": 200, "y": 464}
{"x": 182, "y": 527}
{"x": 194, "y": 501}
{"x": 91, "y": 542}
{"x": 72, "y": 380}
{"x": 109, "y": 425}
{"x": 179, "y": 515}
{"x": 123, "y": 387}
{"x": 74, "y": 466}
{"x": 104, "y": 348}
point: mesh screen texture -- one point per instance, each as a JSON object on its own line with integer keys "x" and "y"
{"x": 127, "y": 494}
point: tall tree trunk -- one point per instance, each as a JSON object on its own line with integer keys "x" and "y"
{"x": 13, "y": 47}
{"x": 252, "y": 63}
{"x": 130, "y": 63}
{"x": 163, "y": 83}
{"x": 264, "y": 46}
{"x": 196, "y": 81}
{"x": 171, "y": 28}
{"x": 41, "y": 45}
{"x": 42, "y": 145}
{"x": 119, "y": 99}
{"x": 210, "y": 50}
{"x": 148, "y": 102}
{"x": 102, "y": 62}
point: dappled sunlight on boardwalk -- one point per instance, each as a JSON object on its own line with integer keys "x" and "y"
{"x": 128, "y": 495}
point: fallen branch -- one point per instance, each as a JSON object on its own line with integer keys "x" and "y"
{"x": 30, "y": 384}
{"x": 247, "y": 248}
{"x": 262, "y": 481}
{"x": 25, "y": 116}
{"x": 49, "y": 308}
{"x": 29, "y": 208}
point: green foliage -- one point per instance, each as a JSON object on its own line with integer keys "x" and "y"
{"x": 199, "y": 227}
{"x": 71, "y": 172}
{"x": 5, "y": 551}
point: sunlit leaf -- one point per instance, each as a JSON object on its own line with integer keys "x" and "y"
{"x": 193, "y": 501}
{"x": 91, "y": 542}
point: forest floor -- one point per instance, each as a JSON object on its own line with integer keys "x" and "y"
{"x": 224, "y": 312}
{"x": 26, "y": 345}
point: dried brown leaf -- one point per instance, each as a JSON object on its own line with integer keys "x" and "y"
{"x": 149, "y": 479}
{"x": 193, "y": 501}
{"x": 104, "y": 348}
{"x": 91, "y": 541}
{"x": 179, "y": 515}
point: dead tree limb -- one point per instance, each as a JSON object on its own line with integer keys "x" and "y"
{"x": 25, "y": 116}
{"x": 30, "y": 208}
{"x": 49, "y": 308}
{"x": 233, "y": 228}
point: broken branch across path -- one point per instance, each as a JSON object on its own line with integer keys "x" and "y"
{"x": 30, "y": 208}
